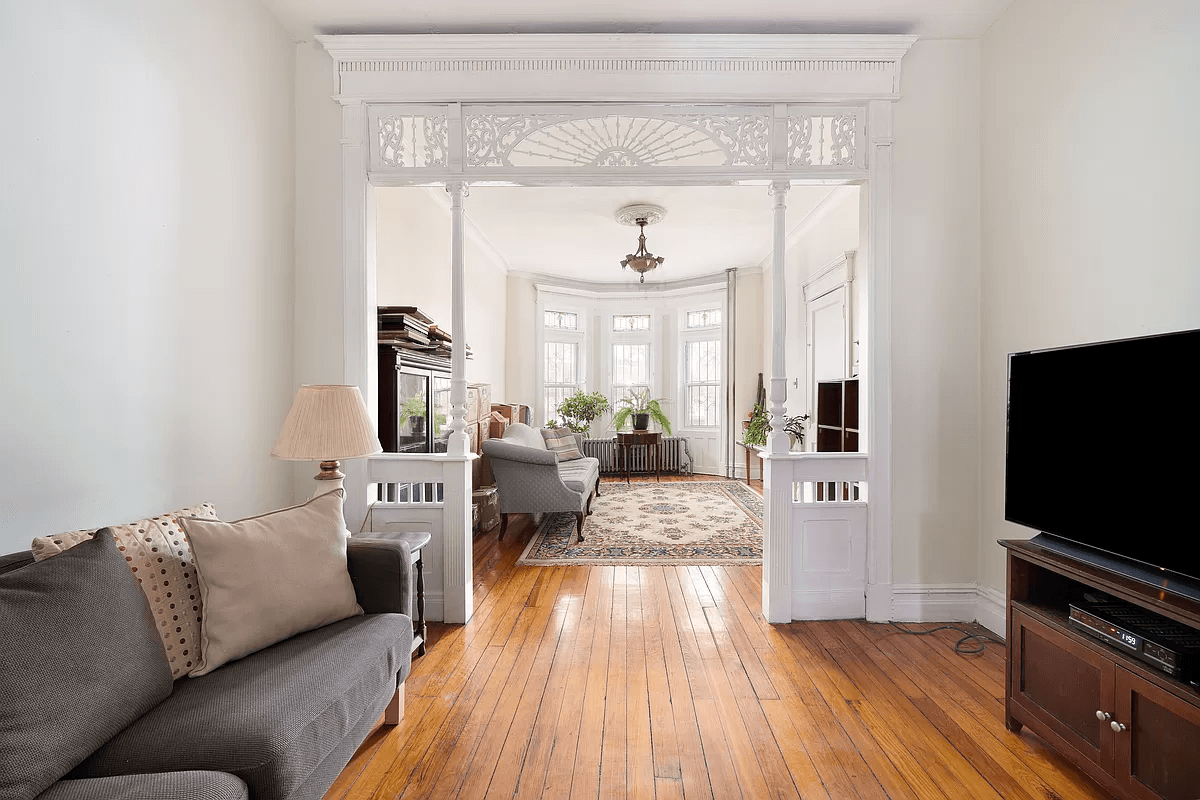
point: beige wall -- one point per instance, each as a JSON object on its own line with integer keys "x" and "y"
{"x": 520, "y": 332}
{"x": 1091, "y": 113}
{"x": 146, "y": 245}
{"x": 935, "y": 316}
{"x": 412, "y": 268}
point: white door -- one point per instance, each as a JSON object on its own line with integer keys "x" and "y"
{"x": 828, "y": 341}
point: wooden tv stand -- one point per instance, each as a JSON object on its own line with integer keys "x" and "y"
{"x": 1133, "y": 729}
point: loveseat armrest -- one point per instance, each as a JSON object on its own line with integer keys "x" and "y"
{"x": 381, "y": 571}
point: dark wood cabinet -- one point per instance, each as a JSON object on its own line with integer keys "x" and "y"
{"x": 1133, "y": 729}
{"x": 837, "y": 416}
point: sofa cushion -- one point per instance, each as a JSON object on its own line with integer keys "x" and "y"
{"x": 274, "y": 717}
{"x": 520, "y": 433}
{"x": 79, "y": 661}
{"x": 269, "y": 577}
{"x": 562, "y": 442}
{"x": 197, "y": 785}
{"x": 159, "y": 554}
{"x": 580, "y": 474}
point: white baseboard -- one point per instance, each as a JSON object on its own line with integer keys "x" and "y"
{"x": 950, "y": 602}
{"x": 824, "y": 604}
{"x": 879, "y": 602}
{"x": 435, "y": 606}
{"x": 992, "y": 610}
{"x": 934, "y": 602}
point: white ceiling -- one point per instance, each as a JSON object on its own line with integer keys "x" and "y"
{"x": 572, "y": 231}
{"x": 934, "y": 19}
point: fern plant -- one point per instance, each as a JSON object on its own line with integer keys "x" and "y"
{"x": 639, "y": 401}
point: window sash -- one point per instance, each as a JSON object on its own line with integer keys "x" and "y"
{"x": 703, "y": 318}
{"x": 630, "y": 322}
{"x": 560, "y": 379}
{"x": 561, "y": 320}
{"x": 702, "y": 383}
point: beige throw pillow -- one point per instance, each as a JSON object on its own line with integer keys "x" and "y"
{"x": 158, "y": 553}
{"x": 266, "y": 578}
{"x": 562, "y": 442}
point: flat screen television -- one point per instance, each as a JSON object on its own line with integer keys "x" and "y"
{"x": 1104, "y": 448}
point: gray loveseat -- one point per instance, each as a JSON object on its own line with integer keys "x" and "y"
{"x": 531, "y": 480}
{"x": 278, "y": 724}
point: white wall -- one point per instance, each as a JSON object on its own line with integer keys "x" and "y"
{"x": 146, "y": 246}
{"x": 413, "y": 269}
{"x": 1091, "y": 114}
{"x": 935, "y": 316}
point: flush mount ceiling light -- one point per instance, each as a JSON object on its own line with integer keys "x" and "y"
{"x": 641, "y": 214}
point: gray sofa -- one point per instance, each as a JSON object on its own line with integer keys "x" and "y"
{"x": 279, "y": 724}
{"x": 530, "y": 480}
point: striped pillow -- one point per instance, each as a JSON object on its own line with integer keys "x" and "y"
{"x": 562, "y": 442}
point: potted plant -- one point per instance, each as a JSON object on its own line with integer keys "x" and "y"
{"x": 794, "y": 427}
{"x": 755, "y": 432}
{"x": 642, "y": 408}
{"x": 578, "y": 410}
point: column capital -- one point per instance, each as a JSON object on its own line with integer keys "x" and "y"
{"x": 779, "y": 190}
{"x": 457, "y": 190}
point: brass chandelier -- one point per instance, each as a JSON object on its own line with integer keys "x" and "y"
{"x": 641, "y": 214}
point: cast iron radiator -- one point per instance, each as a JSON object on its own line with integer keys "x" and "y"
{"x": 673, "y": 455}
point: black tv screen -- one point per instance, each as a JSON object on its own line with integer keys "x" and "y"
{"x": 1104, "y": 450}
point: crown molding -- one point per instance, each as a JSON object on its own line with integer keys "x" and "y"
{"x": 576, "y": 47}
{"x": 616, "y": 67}
{"x": 597, "y": 289}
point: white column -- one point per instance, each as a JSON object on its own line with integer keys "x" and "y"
{"x": 877, "y": 361}
{"x": 459, "y": 444}
{"x": 777, "y": 440}
{"x": 358, "y": 289}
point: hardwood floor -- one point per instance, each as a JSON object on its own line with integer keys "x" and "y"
{"x": 665, "y": 682}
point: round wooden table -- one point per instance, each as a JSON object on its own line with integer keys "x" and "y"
{"x": 651, "y": 440}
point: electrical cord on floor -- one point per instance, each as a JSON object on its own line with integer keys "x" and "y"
{"x": 982, "y": 638}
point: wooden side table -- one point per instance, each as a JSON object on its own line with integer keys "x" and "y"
{"x": 750, "y": 451}
{"x": 652, "y": 440}
{"x": 416, "y": 543}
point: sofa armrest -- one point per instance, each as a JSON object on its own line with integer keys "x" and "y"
{"x": 153, "y": 786}
{"x": 498, "y": 448}
{"x": 382, "y": 575}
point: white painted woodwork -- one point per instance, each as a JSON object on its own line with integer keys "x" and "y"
{"x": 876, "y": 382}
{"x": 595, "y": 68}
{"x": 777, "y": 439}
{"x": 458, "y": 443}
{"x": 752, "y": 96}
{"x": 815, "y": 550}
{"x": 447, "y": 567}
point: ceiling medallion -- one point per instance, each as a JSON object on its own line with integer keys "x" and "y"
{"x": 641, "y": 214}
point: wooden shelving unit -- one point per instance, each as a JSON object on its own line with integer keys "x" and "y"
{"x": 837, "y": 416}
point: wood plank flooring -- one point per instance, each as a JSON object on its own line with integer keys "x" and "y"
{"x": 665, "y": 682}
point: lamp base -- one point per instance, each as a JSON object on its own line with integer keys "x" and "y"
{"x": 329, "y": 478}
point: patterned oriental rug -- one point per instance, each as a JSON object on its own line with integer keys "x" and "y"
{"x": 691, "y": 523}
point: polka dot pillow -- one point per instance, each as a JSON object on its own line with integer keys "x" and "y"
{"x": 159, "y": 554}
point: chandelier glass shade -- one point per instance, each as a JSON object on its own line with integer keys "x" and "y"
{"x": 641, "y": 214}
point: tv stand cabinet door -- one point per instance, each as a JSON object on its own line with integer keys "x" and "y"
{"x": 1061, "y": 684}
{"x": 1158, "y": 753}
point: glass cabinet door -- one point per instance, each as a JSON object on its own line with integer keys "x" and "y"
{"x": 441, "y": 413}
{"x": 412, "y": 412}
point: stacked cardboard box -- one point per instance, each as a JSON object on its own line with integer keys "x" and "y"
{"x": 512, "y": 412}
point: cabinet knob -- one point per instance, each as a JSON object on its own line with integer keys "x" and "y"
{"x": 1116, "y": 726}
{"x": 1103, "y": 716}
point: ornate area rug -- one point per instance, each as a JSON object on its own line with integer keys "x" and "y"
{"x": 692, "y": 522}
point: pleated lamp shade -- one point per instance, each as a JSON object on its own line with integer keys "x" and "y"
{"x": 327, "y": 423}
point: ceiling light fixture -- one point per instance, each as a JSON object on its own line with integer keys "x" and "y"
{"x": 641, "y": 214}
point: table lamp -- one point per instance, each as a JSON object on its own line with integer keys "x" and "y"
{"x": 327, "y": 424}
